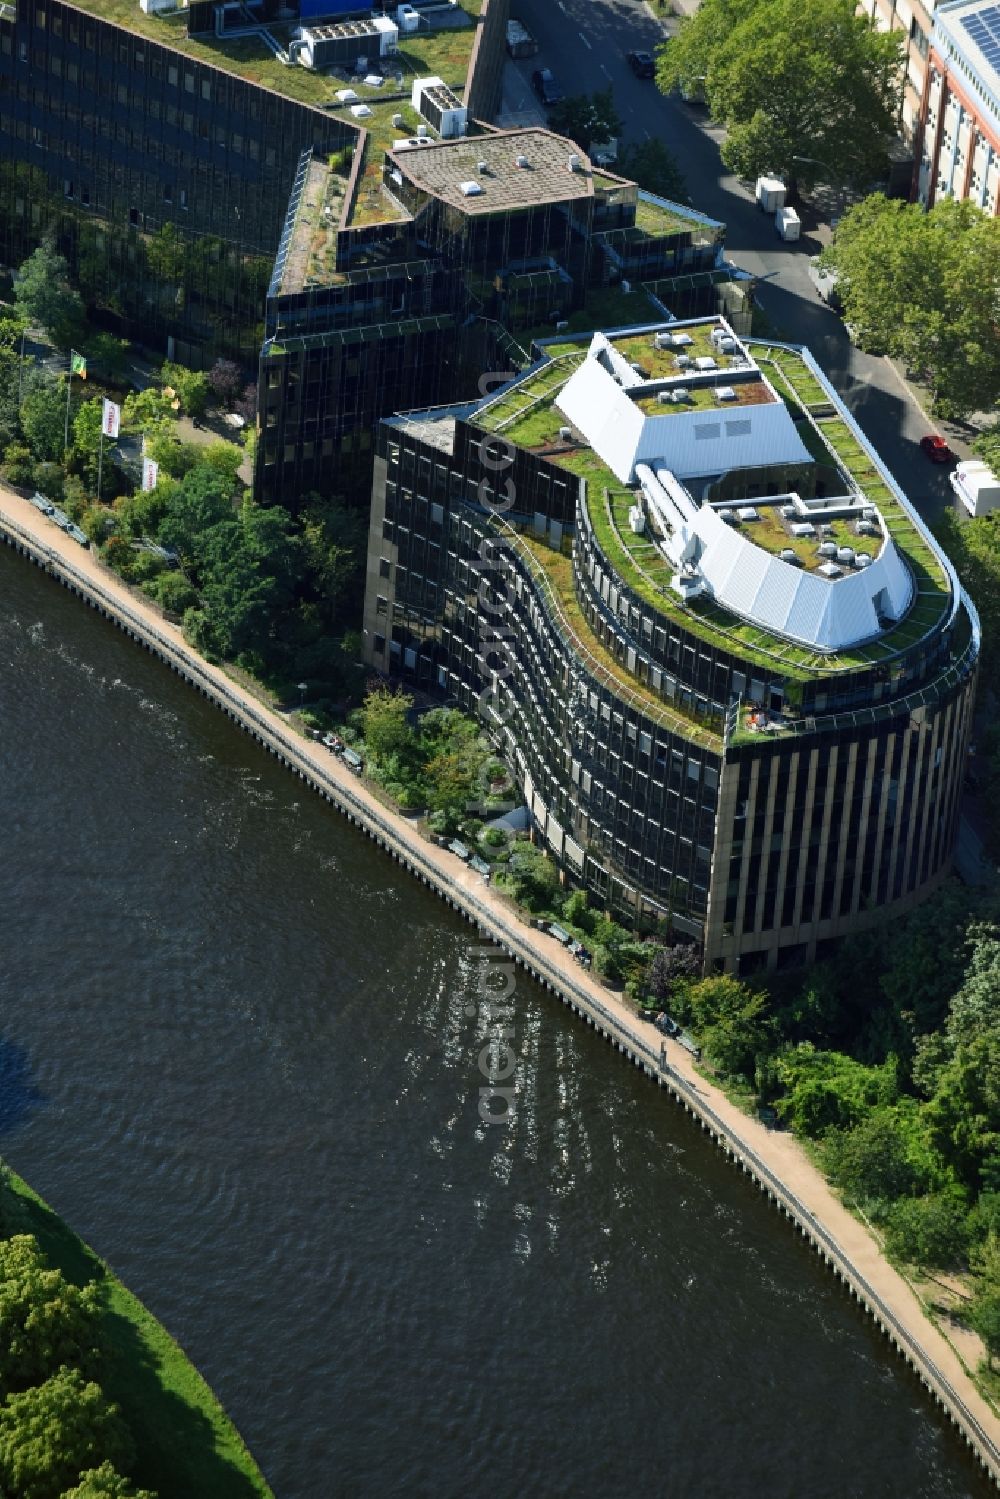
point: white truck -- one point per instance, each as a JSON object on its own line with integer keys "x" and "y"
{"x": 977, "y": 486}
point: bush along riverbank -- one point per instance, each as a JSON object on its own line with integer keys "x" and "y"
{"x": 96, "y": 1398}
{"x": 885, "y": 1061}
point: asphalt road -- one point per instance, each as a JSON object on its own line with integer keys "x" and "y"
{"x": 584, "y": 42}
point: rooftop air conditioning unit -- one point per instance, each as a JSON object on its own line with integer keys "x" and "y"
{"x": 747, "y": 512}
{"x": 787, "y": 555}
{"x": 829, "y": 570}
{"x": 705, "y": 362}
{"x": 636, "y": 519}
{"x": 574, "y": 162}
{"x": 663, "y": 341}
{"x": 482, "y": 167}
{"x": 565, "y": 433}
{"x": 845, "y": 555}
{"x": 397, "y": 121}
{"x": 469, "y": 189}
{"x": 788, "y": 511}
{"x": 728, "y": 515}
{"x": 521, "y": 161}
{"x": 862, "y": 560}
{"x": 666, "y": 396}
{"x": 680, "y": 340}
{"x": 682, "y": 361}
{"x": 725, "y": 393}
{"x": 681, "y": 396}
{"x": 803, "y": 528}
{"x": 828, "y": 549}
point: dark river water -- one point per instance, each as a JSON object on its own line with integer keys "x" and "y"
{"x": 237, "y": 1053}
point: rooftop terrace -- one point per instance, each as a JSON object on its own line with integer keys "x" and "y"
{"x": 527, "y": 416}
{"x": 520, "y": 167}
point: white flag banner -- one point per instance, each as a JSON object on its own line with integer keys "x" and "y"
{"x": 150, "y": 473}
{"x": 111, "y": 419}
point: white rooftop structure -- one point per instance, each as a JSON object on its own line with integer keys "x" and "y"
{"x": 711, "y": 545}
{"x": 602, "y": 399}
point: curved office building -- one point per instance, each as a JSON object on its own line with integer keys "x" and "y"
{"x": 732, "y": 669}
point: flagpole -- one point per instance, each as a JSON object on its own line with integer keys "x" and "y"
{"x": 100, "y": 463}
{"x": 69, "y": 388}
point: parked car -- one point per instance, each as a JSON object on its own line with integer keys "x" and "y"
{"x": 520, "y": 42}
{"x": 936, "y": 448}
{"x": 643, "y": 64}
{"x": 545, "y": 86}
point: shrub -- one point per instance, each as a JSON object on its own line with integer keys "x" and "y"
{"x": 49, "y": 480}
{"x": 928, "y": 1231}
{"x": 18, "y": 466}
{"x": 495, "y": 838}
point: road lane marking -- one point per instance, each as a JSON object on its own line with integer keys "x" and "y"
{"x": 605, "y": 71}
{"x": 585, "y": 42}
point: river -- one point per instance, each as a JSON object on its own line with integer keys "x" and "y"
{"x": 239, "y": 1051}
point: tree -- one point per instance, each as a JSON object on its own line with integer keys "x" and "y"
{"x": 874, "y": 1161}
{"x": 587, "y": 119}
{"x": 927, "y": 1231}
{"x": 984, "y": 1317}
{"x": 384, "y": 721}
{"x": 45, "y": 1321}
{"x": 43, "y": 418}
{"x": 18, "y": 466}
{"x": 106, "y": 1482}
{"x": 42, "y": 292}
{"x": 827, "y": 1090}
{"x": 532, "y": 877}
{"x": 225, "y": 378}
{"x": 828, "y": 91}
{"x": 733, "y": 1023}
{"x": 450, "y": 780}
{"x": 55, "y": 1431}
{"x": 670, "y": 966}
{"x": 987, "y": 447}
{"x": 923, "y": 286}
{"x": 655, "y": 169}
{"x": 191, "y": 386}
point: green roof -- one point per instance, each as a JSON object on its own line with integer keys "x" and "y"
{"x": 527, "y": 416}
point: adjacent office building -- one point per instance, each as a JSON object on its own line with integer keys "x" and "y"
{"x": 732, "y": 669}
{"x": 959, "y": 135}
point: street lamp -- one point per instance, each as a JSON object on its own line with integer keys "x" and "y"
{"x": 303, "y": 688}
{"x": 814, "y": 161}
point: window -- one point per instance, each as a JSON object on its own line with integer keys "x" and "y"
{"x": 384, "y": 567}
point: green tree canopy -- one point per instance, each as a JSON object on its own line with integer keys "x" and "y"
{"x": 45, "y": 1321}
{"x": 384, "y": 721}
{"x": 106, "y": 1482}
{"x": 654, "y": 168}
{"x": 924, "y": 286}
{"x": 827, "y": 1090}
{"x": 587, "y": 119}
{"x": 43, "y": 293}
{"x": 55, "y": 1431}
{"x": 43, "y": 417}
{"x": 785, "y": 87}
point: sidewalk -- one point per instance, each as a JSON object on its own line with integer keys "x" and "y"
{"x": 818, "y": 1208}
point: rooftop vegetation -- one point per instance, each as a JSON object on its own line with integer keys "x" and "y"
{"x": 556, "y": 569}
{"x": 527, "y": 416}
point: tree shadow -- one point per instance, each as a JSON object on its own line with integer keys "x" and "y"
{"x": 180, "y": 1448}
{"x": 18, "y": 1093}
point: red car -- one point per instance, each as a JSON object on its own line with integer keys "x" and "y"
{"x": 936, "y": 449}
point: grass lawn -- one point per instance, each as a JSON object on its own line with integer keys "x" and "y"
{"x": 188, "y": 1447}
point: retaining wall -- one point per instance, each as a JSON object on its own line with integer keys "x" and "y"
{"x": 407, "y": 851}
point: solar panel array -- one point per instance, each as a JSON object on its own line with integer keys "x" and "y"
{"x": 984, "y": 29}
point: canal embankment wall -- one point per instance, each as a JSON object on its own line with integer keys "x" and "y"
{"x": 465, "y": 893}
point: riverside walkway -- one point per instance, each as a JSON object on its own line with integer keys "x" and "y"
{"x": 774, "y": 1160}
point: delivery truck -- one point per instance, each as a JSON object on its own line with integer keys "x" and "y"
{"x": 977, "y": 486}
